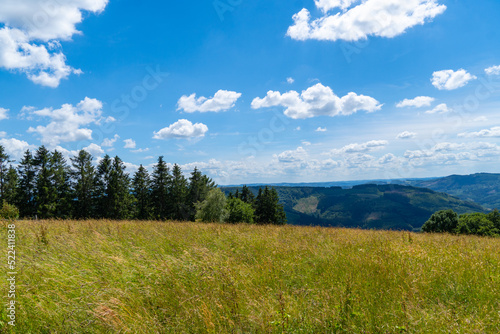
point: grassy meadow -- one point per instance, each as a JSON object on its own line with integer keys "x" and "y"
{"x": 171, "y": 277}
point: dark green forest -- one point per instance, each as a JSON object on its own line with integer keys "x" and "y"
{"x": 367, "y": 206}
{"x": 44, "y": 185}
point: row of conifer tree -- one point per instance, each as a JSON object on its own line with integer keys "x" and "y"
{"x": 45, "y": 185}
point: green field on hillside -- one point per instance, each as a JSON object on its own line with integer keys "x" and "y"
{"x": 171, "y": 277}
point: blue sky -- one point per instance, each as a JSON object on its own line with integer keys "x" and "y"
{"x": 289, "y": 91}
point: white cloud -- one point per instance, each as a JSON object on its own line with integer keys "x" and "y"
{"x": 370, "y": 146}
{"x": 182, "y": 129}
{"x": 320, "y": 129}
{"x": 317, "y": 100}
{"x": 140, "y": 150}
{"x": 450, "y": 80}
{"x": 3, "y": 114}
{"x": 3, "y": 134}
{"x": 31, "y": 35}
{"x": 290, "y": 80}
{"x": 441, "y": 108}
{"x": 223, "y": 100}
{"x": 129, "y": 143}
{"x": 15, "y": 147}
{"x": 493, "y": 70}
{"x": 292, "y": 156}
{"x": 67, "y": 122}
{"x": 383, "y": 18}
{"x": 298, "y": 128}
{"x": 480, "y": 119}
{"x": 493, "y": 132}
{"x": 418, "y": 102}
{"x": 94, "y": 149}
{"x": 406, "y": 135}
{"x": 109, "y": 142}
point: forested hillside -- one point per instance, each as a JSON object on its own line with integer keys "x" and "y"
{"x": 481, "y": 188}
{"x": 366, "y": 206}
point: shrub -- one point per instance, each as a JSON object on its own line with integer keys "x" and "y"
{"x": 476, "y": 223}
{"x": 213, "y": 208}
{"x": 239, "y": 211}
{"x": 9, "y": 211}
{"x": 442, "y": 221}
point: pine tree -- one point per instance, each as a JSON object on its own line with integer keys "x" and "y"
{"x": 103, "y": 178}
{"x": 159, "y": 186}
{"x": 10, "y": 186}
{"x": 4, "y": 160}
{"x": 178, "y": 194}
{"x": 199, "y": 186}
{"x": 267, "y": 208}
{"x": 61, "y": 181}
{"x": 26, "y": 186}
{"x": 45, "y": 195}
{"x": 246, "y": 195}
{"x": 120, "y": 199}
{"x": 141, "y": 189}
{"x": 84, "y": 187}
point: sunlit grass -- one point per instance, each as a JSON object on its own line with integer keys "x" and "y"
{"x": 157, "y": 277}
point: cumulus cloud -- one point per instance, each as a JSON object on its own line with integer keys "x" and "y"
{"x": 67, "y": 123}
{"x": 493, "y": 70}
{"x": 369, "y": 146}
{"x": 290, "y": 80}
{"x": 493, "y": 132}
{"x": 129, "y": 143}
{"x": 222, "y": 100}
{"x": 317, "y": 100}
{"x": 292, "y": 156}
{"x": 3, "y": 114}
{"x": 320, "y": 129}
{"x": 109, "y": 142}
{"x": 31, "y": 34}
{"x": 94, "y": 149}
{"x": 406, "y": 135}
{"x": 450, "y": 80}
{"x": 441, "y": 108}
{"x": 3, "y": 134}
{"x": 418, "y": 102}
{"x": 15, "y": 148}
{"x": 182, "y": 129}
{"x": 383, "y": 18}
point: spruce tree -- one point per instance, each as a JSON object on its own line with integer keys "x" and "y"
{"x": 45, "y": 196}
{"x": 84, "y": 187}
{"x": 119, "y": 197}
{"x": 26, "y": 186}
{"x": 141, "y": 189}
{"x": 178, "y": 194}
{"x": 4, "y": 160}
{"x": 10, "y": 186}
{"x": 160, "y": 181}
{"x": 103, "y": 178}
{"x": 61, "y": 181}
{"x": 246, "y": 195}
{"x": 268, "y": 210}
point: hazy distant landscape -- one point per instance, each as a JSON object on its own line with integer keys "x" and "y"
{"x": 229, "y": 166}
{"x": 394, "y": 204}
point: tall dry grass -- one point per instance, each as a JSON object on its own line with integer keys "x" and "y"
{"x": 157, "y": 277}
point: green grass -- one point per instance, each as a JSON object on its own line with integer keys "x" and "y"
{"x": 155, "y": 277}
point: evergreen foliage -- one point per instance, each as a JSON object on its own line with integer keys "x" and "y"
{"x": 46, "y": 186}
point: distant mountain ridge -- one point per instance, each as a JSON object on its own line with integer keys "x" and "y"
{"x": 368, "y": 206}
{"x": 481, "y": 188}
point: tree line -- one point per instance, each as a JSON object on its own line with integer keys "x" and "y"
{"x": 45, "y": 185}
{"x": 448, "y": 221}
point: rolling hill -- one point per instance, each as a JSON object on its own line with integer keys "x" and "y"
{"x": 481, "y": 188}
{"x": 367, "y": 206}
